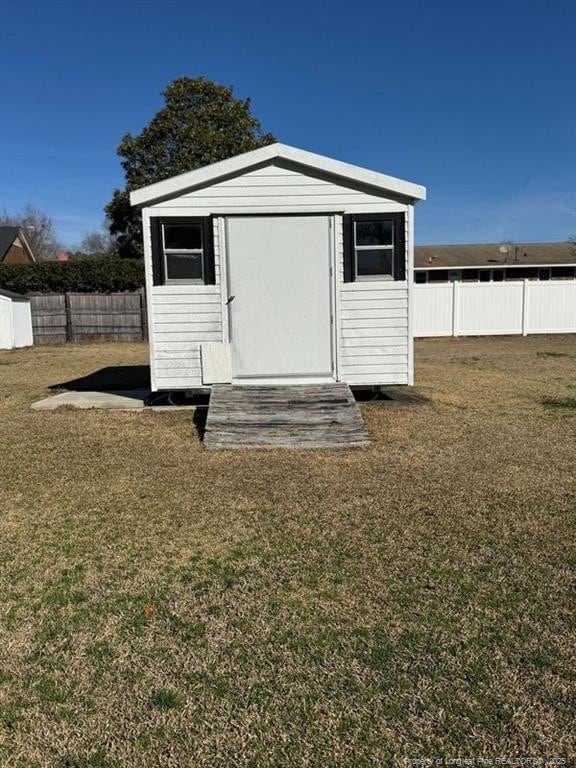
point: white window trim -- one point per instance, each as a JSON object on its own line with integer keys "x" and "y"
{"x": 382, "y": 276}
{"x": 182, "y": 252}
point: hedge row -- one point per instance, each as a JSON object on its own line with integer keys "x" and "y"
{"x": 87, "y": 276}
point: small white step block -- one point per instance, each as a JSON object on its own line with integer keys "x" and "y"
{"x": 216, "y": 362}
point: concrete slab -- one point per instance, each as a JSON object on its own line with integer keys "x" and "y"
{"x": 125, "y": 400}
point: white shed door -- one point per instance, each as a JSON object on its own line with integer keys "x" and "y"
{"x": 279, "y": 276}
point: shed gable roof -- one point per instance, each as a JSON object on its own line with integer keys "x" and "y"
{"x": 177, "y": 185}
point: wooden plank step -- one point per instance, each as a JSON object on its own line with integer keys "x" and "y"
{"x": 299, "y": 416}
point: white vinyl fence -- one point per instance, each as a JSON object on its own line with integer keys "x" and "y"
{"x": 486, "y": 309}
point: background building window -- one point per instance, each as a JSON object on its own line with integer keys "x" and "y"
{"x": 562, "y": 273}
{"x": 438, "y": 276}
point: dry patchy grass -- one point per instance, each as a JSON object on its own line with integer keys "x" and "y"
{"x": 166, "y": 606}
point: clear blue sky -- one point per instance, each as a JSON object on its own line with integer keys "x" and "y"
{"x": 476, "y": 100}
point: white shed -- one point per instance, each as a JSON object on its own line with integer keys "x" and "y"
{"x": 279, "y": 266}
{"x": 15, "y": 321}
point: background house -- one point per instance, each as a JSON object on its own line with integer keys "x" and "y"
{"x": 14, "y": 248}
{"x": 494, "y": 262}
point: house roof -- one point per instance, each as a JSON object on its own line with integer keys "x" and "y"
{"x": 177, "y": 185}
{"x": 492, "y": 255}
{"x": 7, "y": 237}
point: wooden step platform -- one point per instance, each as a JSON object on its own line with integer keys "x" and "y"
{"x": 311, "y": 416}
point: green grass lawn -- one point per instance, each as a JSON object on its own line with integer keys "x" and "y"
{"x": 166, "y": 606}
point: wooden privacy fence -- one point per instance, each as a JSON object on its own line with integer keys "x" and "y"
{"x": 61, "y": 317}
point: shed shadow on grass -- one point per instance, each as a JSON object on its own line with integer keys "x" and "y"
{"x": 388, "y": 395}
{"x": 199, "y": 419}
{"x": 178, "y": 399}
{"x": 113, "y": 378}
{"x": 560, "y": 404}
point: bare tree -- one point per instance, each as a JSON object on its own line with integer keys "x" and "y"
{"x": 98, "y": 243}
{"x": 38, "y": 230}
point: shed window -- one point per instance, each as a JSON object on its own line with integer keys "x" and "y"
{"x": 374, "y": 247}
{"x": 182, "y": 250}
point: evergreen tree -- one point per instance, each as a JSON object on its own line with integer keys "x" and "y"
{"x": 201, "y": 123}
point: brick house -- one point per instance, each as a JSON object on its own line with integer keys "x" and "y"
{"x": 14, "y": 248}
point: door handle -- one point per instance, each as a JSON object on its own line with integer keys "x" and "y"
{"x": 230, "y": 300}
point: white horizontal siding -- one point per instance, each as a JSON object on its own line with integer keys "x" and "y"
{"x": 269, "y": 209}
{"x": 371, "y": 317}
{"x": 380, "y": 378}
{"x": 206, "y": 318}
{"x": 188, "y": 293}
{"x": 355, "y": 329}
{"x": 171, "y": 345}
{"x": 377, "y": 322}
{"x": 277, "y": 198}
{"x": 188, "y": 354}
{"x": 181, "y": 363}
{"x": 276, "y": 189}
{"x": 182, "y": 317}
{"x": 393, "y": 338}
{"x": 373, "y": 328}
{"x": 171, "y": 300}
{"x": 378, "y": 362}
{"x": 184, "y": 332}
{"x": 396, "y": 347}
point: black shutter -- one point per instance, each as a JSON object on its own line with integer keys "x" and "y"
{"x": 208, "y": 241}
{"x": 399, "y": 247}
{"x": 348, "y": 234}
{"x": 157, "y": 255}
